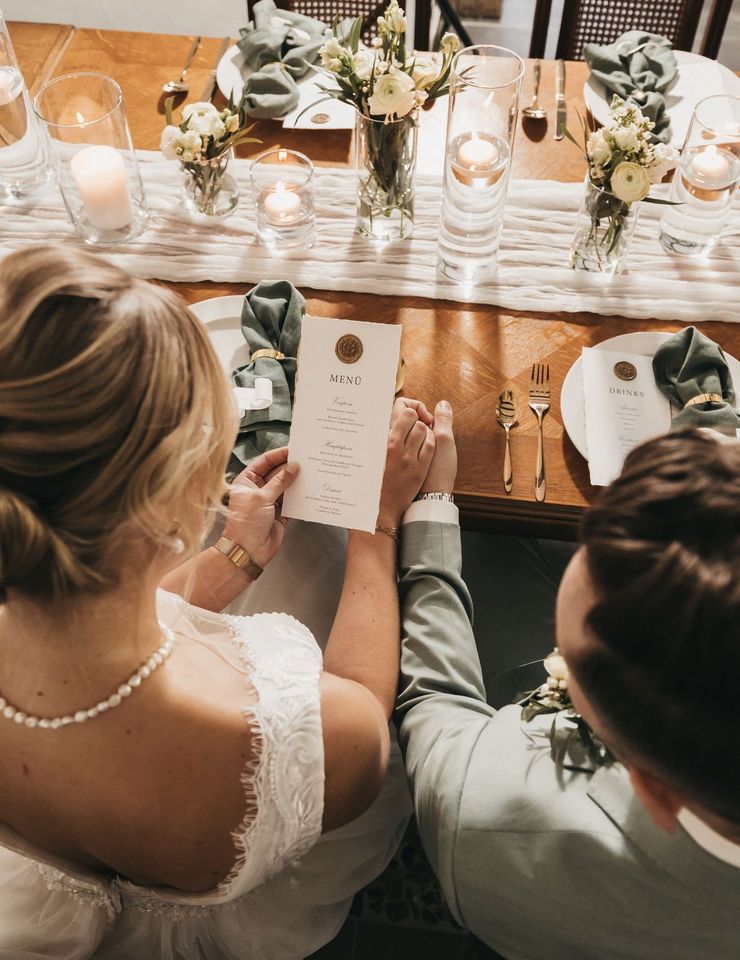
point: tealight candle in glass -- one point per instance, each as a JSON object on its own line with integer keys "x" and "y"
{"x": 704, "y": 182}
{"x": 284, "y": 200}
{"x": 95, "y": 162}
{"x": 485, "y": 82}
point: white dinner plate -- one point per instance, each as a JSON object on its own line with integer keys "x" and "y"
{"x": 222, "y": 317}
{"x": 698, "y": 77}
{"x": 232, "y": 73}
{"x": 572, "y": 405}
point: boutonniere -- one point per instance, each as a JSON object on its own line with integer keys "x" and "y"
{"x": 575, "y": 748}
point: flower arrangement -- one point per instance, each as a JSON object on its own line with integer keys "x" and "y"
{"x": 623, "y": 163}
{"x": 577, "y": 749}
{"x": 203, "y": 142}
{"x": 383, "y": 80}
{"x": 386, "y": 84}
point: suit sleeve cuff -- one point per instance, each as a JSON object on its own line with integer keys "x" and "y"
{"x": 436, "y": 511}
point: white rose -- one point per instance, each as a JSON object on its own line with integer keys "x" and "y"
{"x": 393, "y": 95}
{"x": 395, "y": 17}
{"x": 424, "y": 73}
{"x": 630, "y": 182}
{"x": 170, "y": 141}
{"x": 204, "y": 119}
{"x": 598, "y": 148}
{"x": 363, "y": 61}
{"x": 556, "y": 666}
{"x": 449, "y": 44}
{"x": 626, "y": 139}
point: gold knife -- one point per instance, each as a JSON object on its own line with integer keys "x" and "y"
{"x": 210, "y": 87}
{"x": 560, "y": 99}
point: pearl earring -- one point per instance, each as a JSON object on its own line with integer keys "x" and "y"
{"x": 177, "y": 545}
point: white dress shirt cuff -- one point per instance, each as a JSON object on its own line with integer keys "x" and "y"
{"x": 436, "y": 511}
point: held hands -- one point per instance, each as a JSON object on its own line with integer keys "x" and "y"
{"x": 410, "y": 451}
{"x": 254, "y": 505}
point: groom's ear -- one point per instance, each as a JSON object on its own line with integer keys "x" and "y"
{"x": 662, "y": 802}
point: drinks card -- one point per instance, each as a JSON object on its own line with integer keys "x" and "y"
{"x": 623, "y": 406}
{"x": 343, "y": 402}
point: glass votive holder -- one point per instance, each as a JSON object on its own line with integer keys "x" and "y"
{"x": 283, "y": 186}
{"x": 94, "y": 158}
{"x": 705, "y": 180}
{"x": 24, "y": 163}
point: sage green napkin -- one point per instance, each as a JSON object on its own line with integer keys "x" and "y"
{"x": 690, "y": 364}
{"x": 271, "y": 320}
{"x": 280, "y": 46}
{"x": 639, "y": 67}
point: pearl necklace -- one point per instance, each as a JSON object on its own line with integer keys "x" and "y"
{"x": 114, "y": 700}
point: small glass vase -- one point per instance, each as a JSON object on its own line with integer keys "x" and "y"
{"x": 603, "y": 233}
{"x": 386, "y": 165}
{"x": 209, "y": 189}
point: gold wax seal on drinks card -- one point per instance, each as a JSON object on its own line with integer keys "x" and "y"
{"x": 625, "y": 370}
{"x": 349, "y": 348}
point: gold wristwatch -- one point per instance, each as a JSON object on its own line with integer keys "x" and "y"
{"x": 239, "y": 557}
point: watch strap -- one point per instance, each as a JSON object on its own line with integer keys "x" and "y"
{"x": 444, "y": 497}
{"x": 239, "y": 557}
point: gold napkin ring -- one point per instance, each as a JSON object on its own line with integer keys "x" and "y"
{"x": 272, "y": 354}
{"x": 705, "y": 398}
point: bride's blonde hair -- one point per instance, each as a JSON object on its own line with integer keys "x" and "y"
{"x": 114, "y": 410}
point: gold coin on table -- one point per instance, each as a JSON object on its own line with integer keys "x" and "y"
{"x": 625, "y": 370}
{"x": 349, "y": 348}
{"x": 320, "y": 118}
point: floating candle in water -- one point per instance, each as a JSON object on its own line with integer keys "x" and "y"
{"x": 476, "y": 154}
{"x": 281, "y": 205}
{"x": 710, "y": 167}
{"x": 100, "y": 175}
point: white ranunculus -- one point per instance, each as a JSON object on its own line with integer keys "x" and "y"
{"x": 393, "y": 95}
{"x": 170, "y": 141}
{"x": 192, "y": 141}
{"x": 630, "y": 182}
{"x": 598, "y": 148}
{"x": 450, "y": 43}
{"x": 204, "y": 119}
{"x": 363, "y": 61}
{"x": 556, "y": 666}
{"x": 425, "y": 72}
{"x": 395, "y": 17}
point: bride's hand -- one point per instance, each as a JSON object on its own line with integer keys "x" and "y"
{"x": 254, "y": 520}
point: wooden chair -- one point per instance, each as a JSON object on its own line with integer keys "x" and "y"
{"x": 602, "y": 21}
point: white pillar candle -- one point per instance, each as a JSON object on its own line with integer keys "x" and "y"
{"x": 100, "y": 175}
{"x": 477, "y": 154}
{"x": 710, "y": 167}
{"x": 281, "y": 205}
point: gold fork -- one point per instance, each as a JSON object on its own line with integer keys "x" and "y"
{"x": 539, "y": 402}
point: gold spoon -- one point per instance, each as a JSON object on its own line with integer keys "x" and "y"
{"x": 534, "y": 111}
{"x": 181, "y": 85}
{"x": 506, "y": 414}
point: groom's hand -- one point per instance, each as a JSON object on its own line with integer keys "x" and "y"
{"x": 443, "y": 468}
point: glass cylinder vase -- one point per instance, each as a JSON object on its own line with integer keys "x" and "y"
{"x": 283, "y": 189}
{"x": 705, "y": 181}
{"x": 208, "y": 188}
{"x": 603, "y": 233}
{"x": 386, "y": 166}
{"x": 24, "y": 162}
{"x": 485, "y": 84}
{"x": 94, "y": 158}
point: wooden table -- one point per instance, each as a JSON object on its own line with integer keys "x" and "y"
{"x": 464, "y": 353}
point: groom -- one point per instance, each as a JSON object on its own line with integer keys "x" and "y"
{"x": 544, "y": 857}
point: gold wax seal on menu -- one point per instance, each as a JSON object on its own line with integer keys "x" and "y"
{"x": 349, "y": 348}
{"x": 625, "y": 370}
{"x": 320, "y": 118}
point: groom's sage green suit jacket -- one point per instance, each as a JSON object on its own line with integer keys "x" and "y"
{"x": 539, "y": 862}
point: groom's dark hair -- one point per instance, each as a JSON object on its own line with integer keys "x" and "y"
{"x": 662, "y": 665}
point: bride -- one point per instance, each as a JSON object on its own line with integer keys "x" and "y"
{"x": 175, "y": 782}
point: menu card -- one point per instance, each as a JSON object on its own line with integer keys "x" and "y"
{"x": 344, "y": 394}
{"x": 623, "y": 406}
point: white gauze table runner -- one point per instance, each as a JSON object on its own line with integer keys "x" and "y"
{"x": 532, "y": 275}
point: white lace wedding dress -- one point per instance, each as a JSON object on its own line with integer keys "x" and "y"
{"x": 290, "y": 888}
